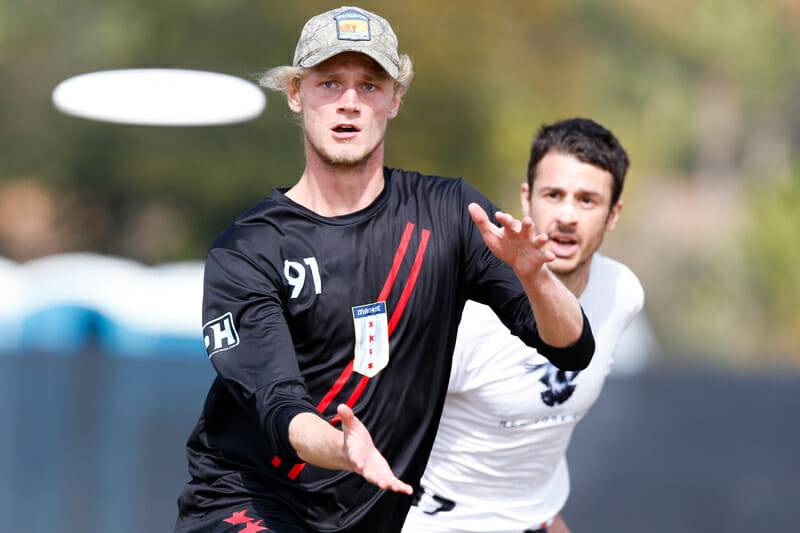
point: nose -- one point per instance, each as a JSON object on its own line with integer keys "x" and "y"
{"x": 567, "y": 214}
{"x": 349, "y": 101}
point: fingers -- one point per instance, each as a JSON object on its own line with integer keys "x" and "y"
{"x": 523, "y": 227}
{"x": 395, "y": 485}
{"x": 365, "y": 457}
{"x": 526, "y": 229}
{"x": 508, "y": 222}
{"x": 479, "y": 216}
{"x": 399, "y": 486}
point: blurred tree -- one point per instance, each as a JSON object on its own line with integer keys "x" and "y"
{"x": 702, "y": 94}
{"x": 773, "y": 264}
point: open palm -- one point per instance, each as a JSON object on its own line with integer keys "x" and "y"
{"x": 365, "y": 458}
{"x": 514, "y": 242}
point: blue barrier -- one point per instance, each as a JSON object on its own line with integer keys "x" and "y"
{"x": 120, "y": 341}
{"x": 60, "y": 329}
{"x": 69, "y": 303}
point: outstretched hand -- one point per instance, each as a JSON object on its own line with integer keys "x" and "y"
{"x": 365, "y": 458}
{"x": 514, "y": 242}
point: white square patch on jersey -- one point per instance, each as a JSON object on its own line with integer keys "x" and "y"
{"x": 372, "y": 338}
{"x": 220, "y": 334}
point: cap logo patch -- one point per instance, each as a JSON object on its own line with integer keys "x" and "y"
{"x": 352, "y": 25}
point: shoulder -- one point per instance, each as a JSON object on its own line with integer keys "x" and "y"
{"x": 408, "y": 179}
{"x": 264, "y": 220}
{"x": 256, "y": 239}
{"x": 481, "y": 339}
{"x": 481, "y": 331}
{"x": 615, "y": 283}
{"x": 478, "y": 318}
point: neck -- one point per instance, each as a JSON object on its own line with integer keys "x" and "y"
{"x": 338, "y": 190}
{"x": 575, "y": 280}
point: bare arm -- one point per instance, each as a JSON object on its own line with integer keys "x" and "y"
{"x": 319, "y": 443}
{"x": 557, "y": 311}
{"x": 559, "y": 526}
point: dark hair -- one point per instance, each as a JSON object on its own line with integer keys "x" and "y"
{"x": 587, "y": 141}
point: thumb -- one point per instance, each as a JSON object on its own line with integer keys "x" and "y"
{"x": 346, "y": 414}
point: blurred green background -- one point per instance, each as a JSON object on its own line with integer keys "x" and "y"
{"x": 702, "y": 93}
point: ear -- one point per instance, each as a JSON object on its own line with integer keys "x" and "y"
{"x": 394, "y": 107}
{"x": 613, "y": 216}
{"x": 293, "y": 98}
{"x": 525, "y": 199}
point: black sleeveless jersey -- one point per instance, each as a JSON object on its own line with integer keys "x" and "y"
{"x": 303, "y": 312}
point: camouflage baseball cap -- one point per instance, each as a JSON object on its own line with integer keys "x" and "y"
{"x": 347, "y": 29}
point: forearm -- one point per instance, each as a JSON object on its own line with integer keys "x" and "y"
{"x": 559, "y": 526}
{"x": 317, "y": 442}
{"x": 558, "y": 314}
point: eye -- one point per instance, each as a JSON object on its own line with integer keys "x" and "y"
{"x": 587, "y": 201}
{"x": 329, "y": 84}
{"x": 369, "y": 87}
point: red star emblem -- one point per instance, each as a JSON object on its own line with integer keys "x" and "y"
{"x": 369, "y": 366}
{"x": 372, "y": 324}
{"x": 372, "y": 338}
{"x": 238, "y": 518}
{"x": 252, "y": 527}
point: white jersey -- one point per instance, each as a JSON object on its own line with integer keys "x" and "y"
{"x": 500, "y": 452}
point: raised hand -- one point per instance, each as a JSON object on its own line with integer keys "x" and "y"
{"x": 365, "y": 458}
{"x": 514, "y": 242}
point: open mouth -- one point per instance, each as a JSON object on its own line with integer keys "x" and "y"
{"x": 564, "y": 240}
{"x": 563, "y": 245}
{"x": 345, "y": 128}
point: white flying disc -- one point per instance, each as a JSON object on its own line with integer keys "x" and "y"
{"x": 160, "y": 97}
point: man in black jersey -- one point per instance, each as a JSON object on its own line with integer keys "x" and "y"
{"x": 330, "y": 308}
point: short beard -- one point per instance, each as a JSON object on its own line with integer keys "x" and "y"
{"x": 343, "y": 162}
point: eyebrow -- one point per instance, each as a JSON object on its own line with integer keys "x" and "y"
{"x": 369, "y": 74}
{"x": 590, "y": 192}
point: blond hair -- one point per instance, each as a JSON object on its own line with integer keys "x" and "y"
{"x": 279, "y": 78}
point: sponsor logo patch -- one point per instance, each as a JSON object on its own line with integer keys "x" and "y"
{"x": 220, "y": 334}
{"x": 372, "y": 338}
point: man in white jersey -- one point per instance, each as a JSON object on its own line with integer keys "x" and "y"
{"x": 498, "y": 463}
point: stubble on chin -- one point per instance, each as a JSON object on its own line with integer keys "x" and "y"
{"x": 342, "y": 161}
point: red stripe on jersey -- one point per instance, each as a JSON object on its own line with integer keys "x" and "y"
{"x": 398, "y": 260}
{"x": 412, "y": 279}
{"x": 295, "y": 471}
{"x": 356, "y": 393}
{"x": 326, "y": 400}
{"x": 353, "y": 397}
{"x": 387, "y": 287}
{"x": 398, "y": 312}
{"x": 323, "y": 404}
